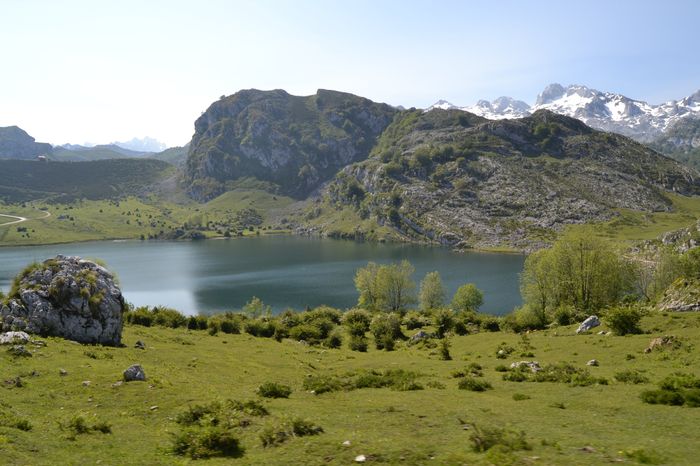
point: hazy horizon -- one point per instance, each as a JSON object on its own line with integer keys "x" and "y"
{"x": 79, "y": 71}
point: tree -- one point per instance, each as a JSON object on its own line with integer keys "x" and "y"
{"x": 467, "y": 298}
{"x": 579, "y": 270}
{"x": 432, "y": 292}
{"x": 385, "y": 287}
{"x": 256, "y": 308}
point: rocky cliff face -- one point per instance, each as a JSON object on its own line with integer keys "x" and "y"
{"x": 458, "y": 179}
{"x": 295, "y": 143}
{"x": 682, "y": 142}
{"x": 15, "y": 143}
{"x": 66, "y": 297}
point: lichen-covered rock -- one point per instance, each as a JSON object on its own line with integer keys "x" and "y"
{"x": 10, "y": 338}
{"x": 682, "y": 295}
{"x": 134, "y": 373}
{"x": 533, "y": 365}
{"x": 589, "y": 323}
{"x": 664, "y": 342}
{"x": 67, "y": 297}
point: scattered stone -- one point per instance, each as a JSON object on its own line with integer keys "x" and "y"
{"x": 134, "y": 373}
{"x": 421, "y": 335}
{"x": 12, "y": 338}
{"x": 117, "y": 384}
{"x": 346, "y": 443}
{"x": 16, "y": 382}
{"x": 589, "y": 323}
{"x": 588, "y": 449}
{"x": 62, "y": 372}
{"x": 603, "y": 332}
{"x": 533, "y": 365}
{"x": 19, "y": 351}
{"x": 153, "y": 408}
{"x": 140, "y": 345}
{"x": 664, "y": 342}
{"x": 86, "y": 383}
{"x": 360, "y": 459}
{"x": 593, "y": 362}
{"x": 67, "y": 297}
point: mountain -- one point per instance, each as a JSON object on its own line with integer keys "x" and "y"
{"x": 174, "y": 155}
{"x": 465, "y": 181}
{"x": 681, "y": 141}
{"x": 77, "y": 153}
{"x": 15, "y": 143}
{"x": 601, "y": 110}
{"x": 144, "y": 144}
{"x": 296, "y": 143}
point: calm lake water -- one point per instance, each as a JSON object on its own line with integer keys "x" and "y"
{"x": 284, "y": 271}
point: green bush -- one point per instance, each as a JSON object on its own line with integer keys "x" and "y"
{"x": 473, "y": 384}
{"x": 167, "y": 317}
{"x": 631, "y": 376}
{"x": 262, "y": 327}
{"x": 443, "y": 320}
{"x": 306, "y": 332}
{"x": 140, "y": 316}
{"x": 491, "y": 324}
{"x": 623, "y": 320}
{"x": 663, "y": 397}
{"x": 274, "y": 390}
{"x": 334, "y": 340}
{"x": 208, "y": 442}
{"x": 319, "y": 384}
{"x": 358, "y": 343}
{"x": 484, "y": 439}
{"x": 276, "y": 434}
{"x": 357, "y": 321}
{"x": 197, "y": 323}
{"x": 414, "y": 320}
{"x": 386, "y": 328}
{"x": 444, "y": 350}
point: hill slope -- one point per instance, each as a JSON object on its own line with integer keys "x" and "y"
{"x": 296, "y": 143}
{"x": 22, "y": 180}
{"x": 455, "y": 178}
{"x": 682, "y": 142}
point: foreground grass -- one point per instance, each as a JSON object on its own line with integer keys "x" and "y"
{"x": 562, "y": 424}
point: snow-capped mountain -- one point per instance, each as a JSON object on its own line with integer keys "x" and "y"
{"x": 603, "y": 110}
{"x": 145, "y": 144}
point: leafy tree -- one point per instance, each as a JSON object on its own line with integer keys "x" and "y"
{"x": 467, "y": 298}
{"x": 580, "y": 270}
{"x": 385, "y": 287}
{"x": 432, "y": 292}
{"x": 256, "y": 308}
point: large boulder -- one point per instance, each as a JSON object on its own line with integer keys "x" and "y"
{"x": 589, "y": 323}
{"x": 66, "y": 297}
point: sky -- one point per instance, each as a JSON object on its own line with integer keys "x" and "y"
{"x": 100, "y": 71}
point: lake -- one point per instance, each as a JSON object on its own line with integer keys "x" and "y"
{"x": 284, "y": 271}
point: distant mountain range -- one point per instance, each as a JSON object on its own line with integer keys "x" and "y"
{"x": 606, "y": 111}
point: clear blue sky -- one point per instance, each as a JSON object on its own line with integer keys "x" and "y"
{"x": 99, "y": 71}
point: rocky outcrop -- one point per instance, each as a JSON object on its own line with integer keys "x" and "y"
{"x": 15, "y": 143}
{"x": 683, "y": 295}
{"x": 294, "y": 143}
{"x": 134, "y": 373}
{"x": 589, "y": 323}
{"x": 66, "y": 297}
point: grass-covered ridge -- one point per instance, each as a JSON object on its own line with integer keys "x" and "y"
{"x": 559, "y": 423}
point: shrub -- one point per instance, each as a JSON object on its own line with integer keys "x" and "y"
{"x": 77, "y": 425}
{"x": 323, "y": 312}
{"x": 623, "y": 320}
{"x": 443, "y": 320}
{"x": 413, "y": 320}
{"x": 322, "y": 384}
{"x": 357, "y": 321}
{"x": 490, "y": 324}
{"x": 230, "y": 326}
{"x": 483, "y": 439}
{"x": 167, "y": 317}
{"x": 197, "y": 323}
{"x": 386, "y": 328}
{"x": 208, "y": 442}
{"x": 631, "y": 376}
{"x": 274, "y": 390}
{"x": 525, "y": 318}
{"x": 334, "y": 340}
{"x": 140, "y": 316}
{"x": 358, "y": 343}
{"x": 521, "y": 397}
{"x": 473, "y": 384}
{"x": 445, "y": 350}
{"x": 663, "y": 397}
{"x": 564, "y": 315}
{"x": 276, "y": 434}
{"x": 306, "y": 332}
{"x": 259, "y": 327}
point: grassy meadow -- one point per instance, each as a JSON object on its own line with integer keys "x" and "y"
{"x": 432, "y": 423}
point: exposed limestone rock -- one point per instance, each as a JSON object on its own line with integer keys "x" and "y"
{"x": 589, "y": 323}
{"x": 682, "y": 295}
{"x": 67, "y": 297}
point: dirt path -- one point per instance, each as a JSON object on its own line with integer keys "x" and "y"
{"x": 22, "y": 219}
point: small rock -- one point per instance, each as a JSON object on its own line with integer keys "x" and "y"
{"x": 86, "y": 383}
{"x": 533, "y": 365}
{"x": 588, "y": 449}
{"x": 117, "y": 384}
{"x": 9, "y": 338}
{"x": 346, "y": 443}
{"x": 602, "y": 332}
{"x": 62, "y": 372}
{"x": 153, "y": 408}
{"x": 360, "y": 459}
{"x": 134, "y": 373}
{"x": 421, "y": 335}
{"x": 593, "y": 362}
{"x": 19, "y": 351}
{"x": 140, "y": 345}
{"x": 589, "y": 323}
